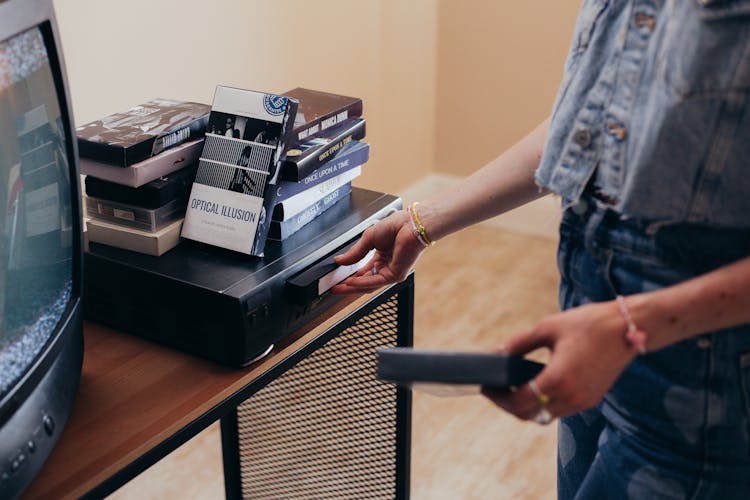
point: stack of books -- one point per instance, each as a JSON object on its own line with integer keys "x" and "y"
{"x": 324, "y": 155}
{"x": 252, "y": 167}
{"x": 139, "y": 167}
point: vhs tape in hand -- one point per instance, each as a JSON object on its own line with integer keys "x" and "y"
{"x": 406, "y": 366}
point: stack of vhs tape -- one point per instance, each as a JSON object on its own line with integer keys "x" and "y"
{"x": 324, "y": 156}
{"x": 139, "y": 167}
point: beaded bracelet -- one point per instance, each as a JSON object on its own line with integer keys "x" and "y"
{"x": 419, "y": 230}
{"x": 635, "y": 337}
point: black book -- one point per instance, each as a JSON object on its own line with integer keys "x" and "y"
{"x": 319, "y": 111}
{"x": 153, "y": 194}
{"x": 353, "y": 155}
{"x": 407, "y": 366}
{"x": 302, "y": 161}
{"x": 129, "y": 137}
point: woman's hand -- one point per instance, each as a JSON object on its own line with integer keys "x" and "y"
{"x": 588, "y": 353}
{"x": 396, "y": 251}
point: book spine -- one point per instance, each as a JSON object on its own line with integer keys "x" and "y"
{"x": 296, "y": 168}
{"x": 292, "y": 206}
{"x": 322, "y": 123}
{"x": 354, "y": 155}
{"x": 280, "y": 230}
{"x": 287, "y": 125}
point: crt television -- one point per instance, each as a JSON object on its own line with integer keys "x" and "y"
{"x": 41, "y": 342}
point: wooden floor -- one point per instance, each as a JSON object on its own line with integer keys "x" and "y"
{"x": 473, "y": 290}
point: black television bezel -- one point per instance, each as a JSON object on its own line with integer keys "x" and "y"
{"x": 16, "y": 17}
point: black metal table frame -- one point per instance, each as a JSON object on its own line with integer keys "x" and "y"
{"x": 225, "y": 411}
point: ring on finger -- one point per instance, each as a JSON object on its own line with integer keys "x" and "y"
{"x": 374, "y": 270}
{"x": 541, "y": 397}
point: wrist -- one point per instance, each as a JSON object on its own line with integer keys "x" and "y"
{"x": 646, "y": 312}
{"x": 417, "y": 226}
{"x": 428, "y": 214}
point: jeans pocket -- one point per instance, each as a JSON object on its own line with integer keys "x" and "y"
{"x": 723, "y": 9}
{"x": 744, "y": 366}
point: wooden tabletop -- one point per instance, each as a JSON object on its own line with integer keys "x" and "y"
{"x": 135, "y": 394}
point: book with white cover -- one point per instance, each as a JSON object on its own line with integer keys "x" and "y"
{"x": 231, "y": 200}
{"x": 150, "y": 169}
{"x": 292, "y": 206}
{"x": 281, "y": 230}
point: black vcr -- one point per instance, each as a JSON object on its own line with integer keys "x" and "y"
{"x": 221, "y": 305}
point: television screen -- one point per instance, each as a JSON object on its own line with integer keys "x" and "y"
{"x": 36, "y": 215}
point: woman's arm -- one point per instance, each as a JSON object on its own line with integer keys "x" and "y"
{"x": 716, "y": 300}
{"x": 504, "y": 183}
{"x": 588, "y": 345}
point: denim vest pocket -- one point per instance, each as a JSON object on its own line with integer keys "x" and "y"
{"x": 705, "y": 49}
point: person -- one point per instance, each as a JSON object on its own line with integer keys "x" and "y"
{"x": 245, "y": 156}
{"x": 647, "y": 146}
{"x": 229, "y": 128}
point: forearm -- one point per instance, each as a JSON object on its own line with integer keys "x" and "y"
{"x": 713, "y": 301}
{"x": 503, "y": 184}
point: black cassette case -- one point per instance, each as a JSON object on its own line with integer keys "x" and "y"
{"x": 126, "y": 138}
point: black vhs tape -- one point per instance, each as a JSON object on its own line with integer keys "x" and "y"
{"x": 153, "y": 194}
{"x": 126, "y": 138}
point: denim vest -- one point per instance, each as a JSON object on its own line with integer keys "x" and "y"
{"x": 653, "y": 111}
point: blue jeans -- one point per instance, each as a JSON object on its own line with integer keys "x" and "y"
{"x": 676, "y": 424}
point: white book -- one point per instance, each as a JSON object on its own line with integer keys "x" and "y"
{"x": 231, "y": 200}
{"x": 299, "y": 202}
{"x": 141, "y": 173}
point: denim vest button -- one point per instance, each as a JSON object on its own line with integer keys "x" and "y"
{"x": 645, "y": 21}
{"x": 617, "y": 130}
{"x": 582, "y": 137}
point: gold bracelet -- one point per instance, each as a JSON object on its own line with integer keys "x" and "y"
{"x": 419, "y": 229}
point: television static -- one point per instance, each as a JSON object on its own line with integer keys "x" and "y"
{"x": 41, "y": 346}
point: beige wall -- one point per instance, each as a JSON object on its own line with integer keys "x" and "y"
{"x": 499, "y": 64}
{"x": 446, "y": 84}
{"x": 120, "y": 53}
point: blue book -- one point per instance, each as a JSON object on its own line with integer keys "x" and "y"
{"x": 352, "y": 155}
{"x": 297, "y": 203}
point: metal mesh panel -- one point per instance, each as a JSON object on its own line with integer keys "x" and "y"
{"x": 326, "y": 428}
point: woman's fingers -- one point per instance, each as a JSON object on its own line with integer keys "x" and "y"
{"x": 358, "y": 251}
